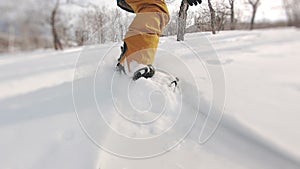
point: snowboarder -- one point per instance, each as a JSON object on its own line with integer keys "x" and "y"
{"x": 141, "y": 40}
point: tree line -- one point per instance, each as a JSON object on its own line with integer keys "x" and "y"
{"x": 64, "y": 23}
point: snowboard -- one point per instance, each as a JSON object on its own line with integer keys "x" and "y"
{"x": 166, "y": 79}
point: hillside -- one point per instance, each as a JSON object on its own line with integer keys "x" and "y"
{"x": 64, "y": 109}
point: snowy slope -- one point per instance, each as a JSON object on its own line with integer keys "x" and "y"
{"x": 51, "y": 104}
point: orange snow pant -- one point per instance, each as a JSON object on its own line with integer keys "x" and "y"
{"x": 143, "y": 34}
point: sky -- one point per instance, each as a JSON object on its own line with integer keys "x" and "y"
{"x": 270, "y": 10}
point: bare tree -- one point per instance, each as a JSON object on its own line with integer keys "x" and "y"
{"x": 53, "y": 24}
{"x": 222, "y": 14}
{"x": 27, "y": 31}
{"x": 232, "y": 20}
{"x": 202, "y": 21}
{"x": 171, "y": 28}
{"x": 97, "y": 25}
{"x": 116, "y": 26}
{"x": 296, "y": 12}
{"x": 254, "y": 4}
{"x": 182, "y": 16}
{"x": 287, "y": 4}
{"x": 292, "y": 10}
{"x": 56, "y": 41}
{"x": 212, "y": 17}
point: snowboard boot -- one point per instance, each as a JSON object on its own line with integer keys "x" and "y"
{"x": 134, "y": 69}
{"x": 146, "y": 72}
{"x": 137, "y": 71}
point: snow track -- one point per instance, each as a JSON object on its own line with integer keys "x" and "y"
{"x": 49, "y": 117}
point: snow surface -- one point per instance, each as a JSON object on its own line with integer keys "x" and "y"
{"x": 71, "y": 110}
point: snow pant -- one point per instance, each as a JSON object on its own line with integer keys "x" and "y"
{"x": 141, "y": 40}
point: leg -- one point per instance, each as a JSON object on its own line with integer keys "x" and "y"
{"x": 143, "y": 34}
